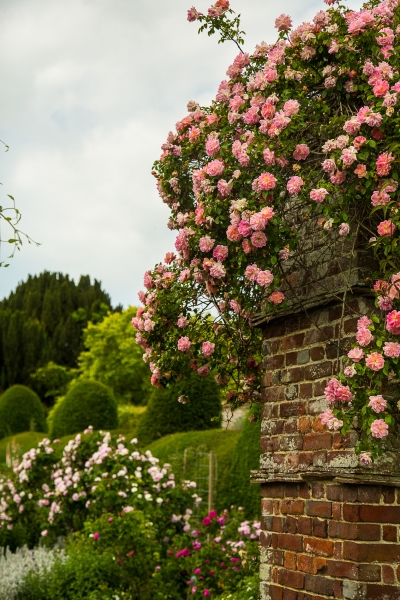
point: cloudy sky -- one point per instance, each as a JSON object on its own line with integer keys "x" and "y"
{"x": 89, "y": 91}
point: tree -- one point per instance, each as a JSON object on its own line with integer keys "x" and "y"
{"x": 114, "y": 358}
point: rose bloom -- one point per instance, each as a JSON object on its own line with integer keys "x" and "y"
{"x": 218, "y": 270}
{"x": 343, "y": 393}
{"x": 375, "y": 361}
{"x": 386, "y": 228}
{"x": 246, "y": 245}
{"x": 377, "y": 403}
{"x": 329, "y": 165}
{"x": 359, "y": 141}
{"x": 258, "y": 239}
{"x": 363, "y": 323}
{"x": 266, "y": 181}
{"x": 267, "y": 213}
{"x": 393, "y": 322}
{"x": 277, "y": 297}
{"x": 365, "y": 458}
{"x": 182, "y": 322}
{"x": 391, "y": 349}
{"x": 203, "y": 371}
{"x": 245, "y": 229}
{"x": 184, "y": 275}
{"x": 283, "y": 22}
{"x": 206, "y": 243}
{"x": 344, "y": 229}
{"x": 356, "y": 354}
{"x": 252, "y": 272}
{"x": 269, "y": 155}
{"x": 220, "y": 253}
{"x": 301, "y": 152}
{"x": 224, "y": 188}
{"x": 383, "y": 165}
{"x": 184, "y": 344}
{"x": 380, "y": 88}
{"x": 235, "y": 306}
{"x": 232, "y": 233}
{"x": 264, "y": 278}
{"x": 330, "y": 390}
{"x": 294, "y": 184}
{"x": 169, "y": 257}
{"x": 257, "y": 222}
{"x": 364, "y": 337}
{"x": 379, "y": 428}
{"x": 215, "y": 168}
{"x": 208, "y": 348}
{"x": 350, "y": 371}
{"x": 360, "y": 171}
{"x": 291, "y": 107}
{"x": 212, "y": 146}
{"x": 318, "y": 195}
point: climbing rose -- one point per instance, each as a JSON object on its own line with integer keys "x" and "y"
{"x": 364, "y": 337}
{"x": 264, "y": 278}
{"x": 294, "y": 184}
{"x": 184, "y": 275}
{"x": 363, "y": 323}
{"x": 377, "y": 403}
{"x": 344, "y": 229}
{"x": 258, "y": 239}
{"x": 391, "y": 349}
{"x": 266, "y": 181}
{"x": 301, "y": 152}
{"x": 252, "y": 272}
{"x": 215, "y": 168}
{"x": 375, "y": 361}
{"x": 356, "y": 354}
{"x": 383, "y": 163}
{"x": 208, "y": 348}
{"x": 206, "y": 243}
{"x": 212, "y": 146}
{"x": 192, "y": 14}
{"x": 393, "y": 322}
{"x": 232, "y": 233}
{"x": 318, "y": 195}
{"x": 277, "y": 297}
{"x": 350, "y": 371}
{"x": 283, "y": 22}
{"x": 203, "y": 372}
{"x": 218, "y": 270}
{"x": 182, "y": 322}
{"x": 291, "y": 107}
{"x": 220, "y": 253}
{"x": 360, "y": 171}
{"x": 184, "y": 344}
{"x": 386, "y": 228}
{"x": 329, "y": 419}
{"x": 379, "y": 428}
{"x": 365, "y": 458}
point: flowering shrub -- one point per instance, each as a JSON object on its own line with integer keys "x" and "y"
{"x": 51, "y": 495}
{"x": 304, "y": 126}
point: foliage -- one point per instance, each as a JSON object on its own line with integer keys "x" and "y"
{"x": 86, "y": 403}
{"x": 16, "y": 566}
{"x": 52, "y": 380}
{"x": 129, "y": 416}
{"x": 304, "y": 130}
{"x": 21, "y": 410}
{"x": 199, "y": 408}
{"x": 113, "y": 357}
{"x": 43, "y": 320}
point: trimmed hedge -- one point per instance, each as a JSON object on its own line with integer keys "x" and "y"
{"x": 87, "y": 403}
{"x": 165, "y": 415}
{"x": 21, "y": 410}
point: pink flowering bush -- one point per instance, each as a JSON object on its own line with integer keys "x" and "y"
{"x": 308, "y": 121}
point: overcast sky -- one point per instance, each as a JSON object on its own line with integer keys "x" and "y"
{"x": 89, "y": 91}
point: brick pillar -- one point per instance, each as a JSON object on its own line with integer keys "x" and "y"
{"x": 330, "y": 529}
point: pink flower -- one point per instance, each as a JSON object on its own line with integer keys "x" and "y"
{"x": 379, "y": 428}
{"x": 350, "y": 371}
{"x": 220, "y": 253}
{"x": 169, "y": 257}
{"x": 386, "y": 228}
{"x": 380, "y": 88}
{"x": 224, "y": 188}
{"x": 206, "y": 592}
{"x": 365, "y": 458}
{"x": 329, "y": 165}
{"x": 246, "y": 245}
{"x": 330, "y": 82}
{"x": 269, "y": 155}
{"x": 251, "y": 117}
{"x": 182, "y": 322}
{"x": 208, "y": 348}
{"x": 212, "y": 146}
{"x": 264, "y": 278}
{"x": 301, "y": 152}
{"x": 349, "y": 155}
{"x": 343, "y": 393}
{"x": 391, "y": 349}
{"x": 266, "y": 181}
{"x": 383, "y": 165}
{"x": 267, "y": 213}
{"x": 363, "y": 323}
{"x": 384, "y": 303}
{"x": 245, "y": 228}
{"x": 96, "y": 536}
{"x": 277, "y": 297}
{"x": 283, "y": 22}
{"x": 258, "y": 239}
{"x": 257, "y": 222}
{"x": 215, "y": 168}
{"x": 326, "y": 416}
{"x": 318, "y": 195}
{"x": 359, "y": 141}
{"x": 232, "y": 233}
{"x": 356, "y": 354}
{"x": 218, "y": 270}
{"x": 294, "y": 184}
{"x": 291, "y": 107}
{"x": 252, "y": 272}
{"x": 184, "y": 275}
{"x": 344, "y": 229}
{"x": 329, "y": 419}
{"x": 393, "y": 322}
{"x": 364, "y": 337}
{"x": 352, "y": 126}
{"x": 235, "y": 306}
{"x": 192, "y": 14}
{"x": 206, "y": 243}
{"x": 360, "y": 171}
{"x": 377, "y": 403}
{"x": 375, "y": 361}
{"x": 184, "y": 344}
{"x": 203, "y": 372}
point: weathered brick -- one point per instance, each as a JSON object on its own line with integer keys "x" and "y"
{"x": 351, "y": 570}
{"x": 317, "y": 353}
{"x": 320, "y": 527}
{"x": 265, "y": 539}
{"x": 380, "y": 514}
{"x": 318, "y": 508}
{"x": 274, "y": 362}
{"x": 318, "y": 546}
{"x": 317, "y": 441}
{"x": 290, "y": 560}
{"x": 389, "y": 533}
{"x": 289, "y": 525}
{"x": 304, "y": 424}
{"x": 292, "y": 374}
{"x": 291, "y": 426}
{"x": 318, "y": 584}
{"x": 369, "y": 494}
{"x": 304, "y": 525}
{"x": 273, "y": 490}
{"x": 381, "y": 592}
{"x": 292, "y": 409}
{"x": 292, "y": 507}
{"x": 293, "y": 579}
{"x": 371, "y": 552}
{"x": 291, "y": 442}
{"x": 387, "y": 574}
{"x": 292, "y": 341}
{"x": 267, "y": 507}
{"x": 305, "y": 390}
{"x": 318, "y": 370}
{"x": 318, "y": 490}
{"x": 290, "y": 542}
{"x": 388, "y": 494}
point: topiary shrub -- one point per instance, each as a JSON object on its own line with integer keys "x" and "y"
{"x": 87, "y": 403}
{"x": 165, "y": 415}
{"x": 21, "y": 410}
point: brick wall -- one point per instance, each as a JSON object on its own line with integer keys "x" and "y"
{"x": 330, "y": 528}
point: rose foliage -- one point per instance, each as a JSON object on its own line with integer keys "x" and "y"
{"x": 310, "y": 121}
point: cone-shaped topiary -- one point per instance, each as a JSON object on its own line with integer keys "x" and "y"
{"x": 165, "y": 414}
{"x": 87, "y": 403}
{"x": 21, "y": 410}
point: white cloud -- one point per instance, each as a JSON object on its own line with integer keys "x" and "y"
{"x": 90, "y": 89}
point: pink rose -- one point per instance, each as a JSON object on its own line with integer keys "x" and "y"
{"x": 283, "y": 22}
{"x": 379, "y": 428}
{"x": 232, "y": 233}
{"x": 277, "y": 297}
{"x": 206, "y": 243}
{"x": 393, "y": 322}
{"x": 182, "y": 322}
{"x": 235, "y": 306}
{"x": 294, "y": 184}
{"x": 380, "y": 88}
{"x": 267, "y": 213}
{"x": 208, "y": 348}
{"x": 383, "y": 163}
{"x": 391, "y": 349}
{"x": 363, "y": 323}
{"x": 258, "y": 239}
{"x": 252, "y": 272}
{"x": 360, "y": 171}
{"x": 301, "y": 152}
{"x": 365, "y": 458}
{"x": 377, "y": 403}
{"x": 375, "y": 361}
{"x": 215, "y": 168}
{"x": 220, "y": 253}
{"x": 224, "y": 188}
{"x": 212, "y": 146}
{"x": 364, "y": 337}
{"x": 344, "y": 229}
{"x": 184, "y": 275}
{"x": 257, "y": 222}
{"x": 245, "y": 229}
{"x": 264, "y": 278}
{"x": 184, "y": 344}
{"x": 266, "y": 181}
{"x": 269, "y": 155}
{"x": 218, "y": 270}
{"x": 356, "y": 354}
{"x": 318, "y": 195}
{"x": 291, "y": 107}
